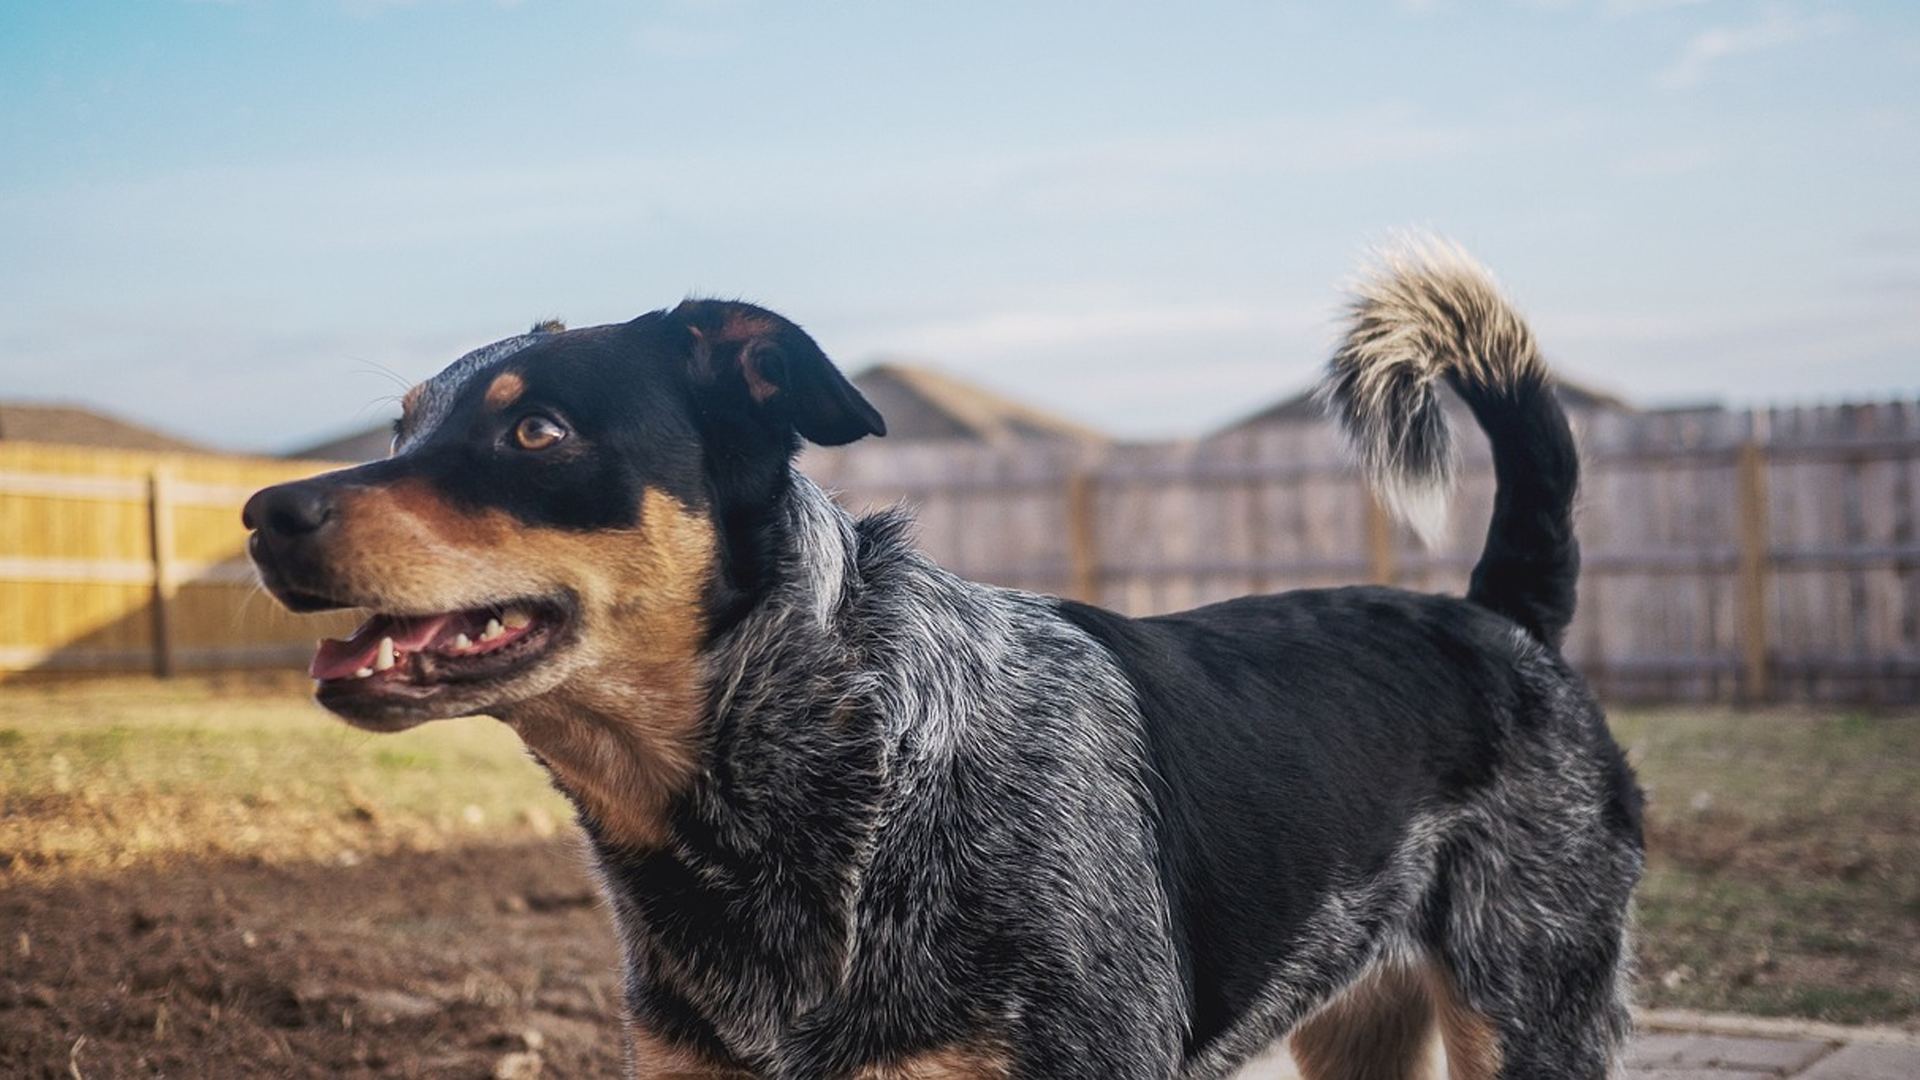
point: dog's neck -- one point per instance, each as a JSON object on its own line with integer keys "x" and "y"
{"x": 625, "y": 743}
{"x": 816, "y": 568}
{"x": 622, "y": 751}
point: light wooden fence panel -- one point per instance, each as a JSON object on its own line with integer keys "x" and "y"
{"x": 1729, "y": 556}
{"x": 129, "y": 561}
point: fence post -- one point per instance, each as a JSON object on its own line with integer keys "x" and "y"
{"x": 1083, "y": 544}
{"x": 1755, "y": 679}
{"x": 165, "y": 587}
{"x": 1381, "y": 561}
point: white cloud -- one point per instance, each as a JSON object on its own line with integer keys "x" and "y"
{"x": 1612, "y": 7}
{"x": 372, "y": 8}
{"x": 1137, "y": 370}
{"x": 236, "y": 386}
{"x": 1812, "y": 350}
{"x": 1637, "y": 7}
{"x": 683, "y": 43}
{"x": 1667, "y": 162}
{"x": 1183, "y": 168}
{"x": 1053, "y": 329}
{"x": 1778, "y": 28}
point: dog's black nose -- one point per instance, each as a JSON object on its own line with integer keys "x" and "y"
{"x": 289, "y": 510}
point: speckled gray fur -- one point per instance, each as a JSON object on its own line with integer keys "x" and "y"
{"x": 986, "y": 764}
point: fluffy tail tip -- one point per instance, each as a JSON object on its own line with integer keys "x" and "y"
{"x": 1423, "y": 310}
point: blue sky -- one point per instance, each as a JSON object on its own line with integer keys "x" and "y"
{"x": 253, "y": 222}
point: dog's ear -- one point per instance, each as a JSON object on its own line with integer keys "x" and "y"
{"x": 740, "y": 349}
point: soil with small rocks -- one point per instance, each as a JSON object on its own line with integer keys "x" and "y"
{"x": 465, "y": 962}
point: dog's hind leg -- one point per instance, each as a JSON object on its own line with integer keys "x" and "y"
{"x": 1542, "y": 1024}
{"x": 1472, "y": 1041}
{"x": 1379, "y": 1028}
{"x": 1533, "y": 958}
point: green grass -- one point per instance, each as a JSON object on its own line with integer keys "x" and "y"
{"x": 1784, "y": 862}
{"x": 106, "y": 774}
{"x": 1772, "y": 766}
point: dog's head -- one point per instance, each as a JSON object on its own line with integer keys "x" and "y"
{"x": 567, "y": 503}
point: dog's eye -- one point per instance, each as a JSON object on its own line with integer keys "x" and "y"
{"x": 538, "y": 432}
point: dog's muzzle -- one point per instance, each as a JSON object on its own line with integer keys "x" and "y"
{"x": 289, "y": 523}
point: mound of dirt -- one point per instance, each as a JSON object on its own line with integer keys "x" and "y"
{"x": 466, "y": 962}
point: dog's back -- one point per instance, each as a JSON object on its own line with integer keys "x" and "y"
{"x": 1405, "y": 797}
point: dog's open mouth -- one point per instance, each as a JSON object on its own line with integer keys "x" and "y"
{"x": 414, "y": 657}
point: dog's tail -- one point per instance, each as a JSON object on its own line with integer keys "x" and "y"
{"x": 1428, "y": 312}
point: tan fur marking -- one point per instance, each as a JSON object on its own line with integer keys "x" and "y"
{"x": 1379, "y": 1027}
{"x": 948, "y": 1063}
{"x": 650, "y": 1057}
{"x": 615, "y": 716}
{"x": 741, "y": 326}
{"x": 408, "y": 403}
{"x": 743, "y": 329}
{"x": 506, "y": 389}
{"x": 1473, "y": 1043}
{"x": 623, "y": 736}
{"x": 759, "y": 386}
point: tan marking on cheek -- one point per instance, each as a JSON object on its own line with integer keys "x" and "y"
{"x": 385, "y": 551}
{"x": 621, "y": 729}
{"x": 506, "y": 390}
{"x": 960, "y": 1062}
{"x": 402, "y": 546}
{"x": 622, "y": 736}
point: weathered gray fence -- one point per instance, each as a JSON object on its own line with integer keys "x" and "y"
{"x": 1729, "y": 556}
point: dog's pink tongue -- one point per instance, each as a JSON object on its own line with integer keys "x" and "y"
{"x": 337, "y": 658}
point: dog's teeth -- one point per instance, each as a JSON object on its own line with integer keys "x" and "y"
{"x": 461, "y": 642}
{"x": 383, "y": 661}
{"x": 364, "y": 673}
{"x": 516, "y": 619}
{"x": 493, "y": 630}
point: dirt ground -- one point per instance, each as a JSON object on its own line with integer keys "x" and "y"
{"x": 200, "y": 879}
{"x": 497, "y": 960}
{"x": 472, "y": 962}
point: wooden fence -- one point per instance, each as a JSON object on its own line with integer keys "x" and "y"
{"x": 1767, "y": 556}
{"x": 1729, "y": 556}
{"x": 128, "y": 561}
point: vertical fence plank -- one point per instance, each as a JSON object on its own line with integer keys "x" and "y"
{"x": 166, "y": 586}
{"x": 1755, "y": 545}
{"x": 1083, "y": 541}
{"x": 1384, "y": 567}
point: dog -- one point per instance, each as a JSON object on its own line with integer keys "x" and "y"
{"x": 855, "y": 817}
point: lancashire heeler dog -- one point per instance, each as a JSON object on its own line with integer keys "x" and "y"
{"x": 858, "y": 818}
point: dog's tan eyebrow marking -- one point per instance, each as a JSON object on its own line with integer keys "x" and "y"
{"x": 506, "y": 390}
{"x": 410, "y": 400}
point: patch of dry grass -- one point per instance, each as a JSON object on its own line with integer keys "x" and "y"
{"x": 1784, "y": 874}
{"x": 111, "y": 774}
